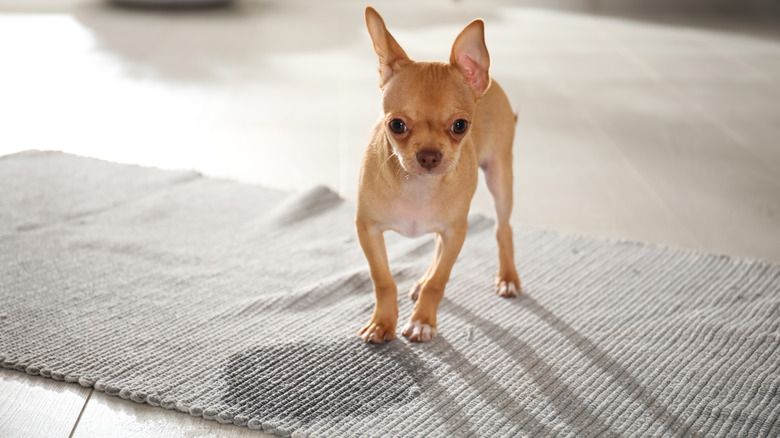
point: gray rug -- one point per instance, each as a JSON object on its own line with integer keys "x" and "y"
{"x": 241, "y": 304}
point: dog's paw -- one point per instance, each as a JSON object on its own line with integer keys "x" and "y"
{"x": 377, "y": 332}
{"x": 416, "y": 331}
{"x": 414, "y": 292}
{"x": 508, "y": 289}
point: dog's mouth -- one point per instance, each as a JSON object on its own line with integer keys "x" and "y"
{"x": 417, "y": 166}
{"x": 439, "y": 170}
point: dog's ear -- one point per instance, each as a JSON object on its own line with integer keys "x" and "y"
{"x": 470, "y": 56}
{"x": 391, "y": 56}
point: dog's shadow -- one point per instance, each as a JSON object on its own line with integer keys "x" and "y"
{"x": 575, "y": 411}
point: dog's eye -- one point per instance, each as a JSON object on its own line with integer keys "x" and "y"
{"x": 398, "y": 126}
{"x": 459, "y": 126}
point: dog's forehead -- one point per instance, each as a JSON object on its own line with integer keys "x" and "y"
{"x": 428, "y": 89}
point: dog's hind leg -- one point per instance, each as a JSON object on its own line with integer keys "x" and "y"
{"x": 414, "y": 292}
{"x": 498, "y": 175}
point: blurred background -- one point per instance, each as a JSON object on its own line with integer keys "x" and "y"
{"x": 655, "y": 121}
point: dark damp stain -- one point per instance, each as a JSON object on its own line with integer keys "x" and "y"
{"x": 316, "y": 380}
{"x": 28, "y": 227}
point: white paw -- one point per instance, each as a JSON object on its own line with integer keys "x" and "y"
{"x": 419, "y": 332}
{"x": 373, "y": 338}
{"x": 507, "y": 289}
{"x": 377, "y": 333}
{"x": 414, "y": 292}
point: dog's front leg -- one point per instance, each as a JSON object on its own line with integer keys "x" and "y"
{"x": 385, "y": 318}
{"x": 422, "y": 324}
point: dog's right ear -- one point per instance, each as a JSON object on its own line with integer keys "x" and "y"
{"x": 391, "y": 56}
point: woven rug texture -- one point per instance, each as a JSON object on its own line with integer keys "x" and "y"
{"x": 242, "y": 304}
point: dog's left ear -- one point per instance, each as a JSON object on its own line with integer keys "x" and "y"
{"x": 470, "y": 56}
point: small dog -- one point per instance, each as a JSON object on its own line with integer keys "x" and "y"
{"x": 441, "y": 122}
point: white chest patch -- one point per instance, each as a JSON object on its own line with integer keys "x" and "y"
{"x": 413, "y": 215}
{"x": 412, "y": 227}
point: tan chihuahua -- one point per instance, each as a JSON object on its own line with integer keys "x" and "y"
{"x": 440, "y": 123}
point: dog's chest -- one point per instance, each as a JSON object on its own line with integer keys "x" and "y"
{"x": 413, "y": 222}
{"x": 415, "y": 212}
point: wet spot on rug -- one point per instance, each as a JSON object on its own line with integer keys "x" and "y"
{"x": 321, "y": 380}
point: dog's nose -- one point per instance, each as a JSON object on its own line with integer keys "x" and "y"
{"x": 429, "y": 159}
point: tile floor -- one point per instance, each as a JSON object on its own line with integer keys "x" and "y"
{"x": 648, "y": 121}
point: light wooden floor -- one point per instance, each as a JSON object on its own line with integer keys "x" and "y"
{"x": 651, "y": 124}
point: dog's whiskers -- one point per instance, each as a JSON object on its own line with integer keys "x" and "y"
{"x": 381, "y": 166}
